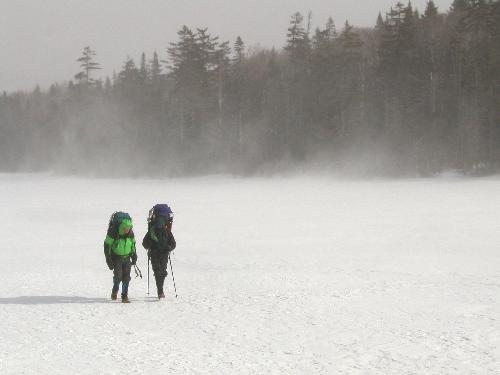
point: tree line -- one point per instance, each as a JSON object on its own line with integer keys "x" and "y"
{"x": 417, "y": 94}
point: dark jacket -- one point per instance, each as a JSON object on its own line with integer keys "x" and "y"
{"x": 158, "y": 239}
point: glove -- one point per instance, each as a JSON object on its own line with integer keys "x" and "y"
{"x": 134, "y": 258}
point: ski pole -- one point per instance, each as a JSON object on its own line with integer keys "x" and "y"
{"x": 148, "y": 274}
{"x": 137, "y": 271}
{"x": 173, "y": 278}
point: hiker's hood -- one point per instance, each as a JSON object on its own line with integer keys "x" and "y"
{"x": 127, "y": 223}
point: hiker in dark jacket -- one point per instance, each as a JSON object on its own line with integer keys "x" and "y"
{"x": 119, "y": 250}
{"x": 159, "y": 241}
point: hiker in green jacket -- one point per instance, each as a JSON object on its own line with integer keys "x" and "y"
{"x": 119, "y": 250}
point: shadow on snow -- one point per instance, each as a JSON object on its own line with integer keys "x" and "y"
{"x": 53, "y": 300}
{"x": 50, "y": 300}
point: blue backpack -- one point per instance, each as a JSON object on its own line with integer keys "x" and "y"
{"x": 160, "y": 211}
{"x": 159, "y": 216}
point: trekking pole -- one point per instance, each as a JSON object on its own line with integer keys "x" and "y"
{"x": 138, "y": 272}
{"x": 148, "y": 274}
{"x": 172, "y": 271}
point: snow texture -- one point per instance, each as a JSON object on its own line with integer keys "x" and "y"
{"x": 274, "y": 276}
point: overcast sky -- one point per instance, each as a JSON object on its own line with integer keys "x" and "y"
{"x": 40, "y": 40}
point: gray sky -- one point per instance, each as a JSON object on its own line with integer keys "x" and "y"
{"x": 41, "y": 39}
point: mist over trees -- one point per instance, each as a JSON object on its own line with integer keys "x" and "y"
{"x": 416, "y": 94}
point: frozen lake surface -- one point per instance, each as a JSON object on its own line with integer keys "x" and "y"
{"x": 279, "y": 275}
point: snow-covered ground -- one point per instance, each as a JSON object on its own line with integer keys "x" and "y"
{"x": 274, "y": 276}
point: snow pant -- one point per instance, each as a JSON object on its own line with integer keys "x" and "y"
{"x": 121, "y": 273}
{"x": 159, "y": 263}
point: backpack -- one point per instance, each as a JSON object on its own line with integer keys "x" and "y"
{"x": 159, "y": 215}
{"x": 114, "y": 223}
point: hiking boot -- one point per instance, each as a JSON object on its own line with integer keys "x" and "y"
{"x": 125, "y": 299}
{"x": 161, "y": 295}
{"x": 114, "y": 295}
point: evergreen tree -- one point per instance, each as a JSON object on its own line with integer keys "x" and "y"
{"x": 88, "y": 64}
{"x": 379, "y": 24}
{"x": 129, "y": 72}
{"x": 206, "y": 46}
{"x": 155, "y": 69}
{"x": 185, "y": 61}
{"x": 298, "y": 48}
{"x": 235, "y": 95}
{"x": 297, "y": 39}
{"x": 430, "y": 10}
{"x": 129, "y": 82}
{"x": 143, "y": 70}
{"x": 239, "y": 51}
{"x": 325, "y": 74}
{"x": 330, "y": 29}
{"x": 222, "y": 62}
{"x": 352, "y": 81}
{"x": 193, "y": 65}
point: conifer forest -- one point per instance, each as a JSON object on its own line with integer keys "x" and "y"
{"x": 414, "y": 95}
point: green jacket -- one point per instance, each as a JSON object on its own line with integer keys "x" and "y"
{"x": 124, "y": 245}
